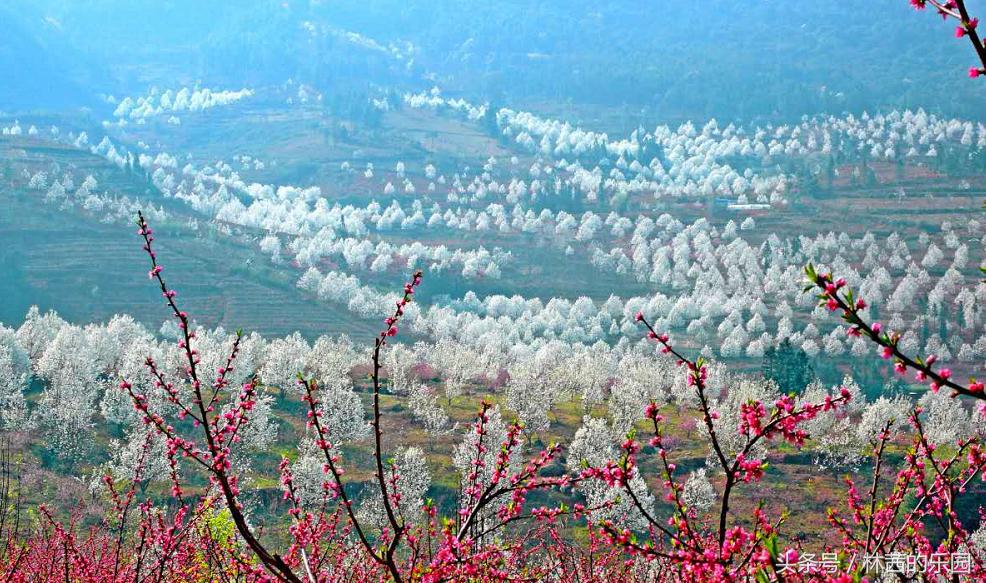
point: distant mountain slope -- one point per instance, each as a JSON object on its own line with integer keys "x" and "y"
{"x": 658, "y": 61}
{"x": 245, "y": 43}
{"x": 41, "y": 70}
{"x": 723, "y": 58}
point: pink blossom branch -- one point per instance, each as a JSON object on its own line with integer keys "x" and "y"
{"x": 884, "y": 437}
{"x": 967, "y": 26}
{"x": 386, "y": 559}
{"x": 381, "y": 340}
{"x": 338, "y": 488}
{"x": 783, "y": 421}
{"x": 516, "y": 485}
{"x": 836, "y": 295}
{"x": 217, "y": 451}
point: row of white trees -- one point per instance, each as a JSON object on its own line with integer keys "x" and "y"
{"x": 698, "y": 163}
{"x": 59, "y": 187}
{"x": 170, "y": 102}
{"x": 714, "y": 286}
{"x": 313, "y": 230}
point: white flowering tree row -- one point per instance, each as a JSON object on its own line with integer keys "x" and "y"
{"x": 63, "y": 188}
{"x": 688, "y": 163}
{"x": 171, "y": 102}
{"x": 698, "y": 264}
{"x": 714, "y": 286}
{"x": 15, "y": 129}
{"x": 433, "y": 99}
{"x": 698, "y": 163}
{"x": 314, "y": 230}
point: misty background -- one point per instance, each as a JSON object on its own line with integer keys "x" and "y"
{"x": 658, "y": 61}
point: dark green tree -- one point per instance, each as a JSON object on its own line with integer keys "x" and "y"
{"x": 789, "y": 366}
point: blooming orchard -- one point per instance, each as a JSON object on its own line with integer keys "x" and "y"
{"x": 226, "y": 455}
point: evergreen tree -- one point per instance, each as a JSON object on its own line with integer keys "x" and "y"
{"x": 788, "y": 366}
